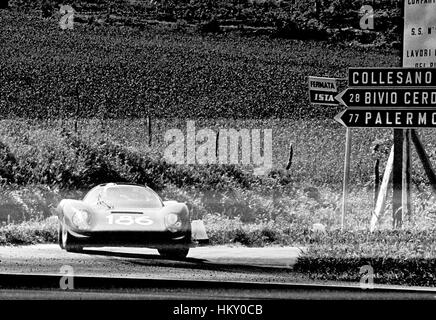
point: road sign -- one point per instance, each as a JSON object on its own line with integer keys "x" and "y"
{"x": 419, "y": 34}
{"x": 391, "y": 77}
{"x": 388, "y": 98}
{"x": 397, "y": 98}
{"x": 323, "y": 90}
{"x": 404, "y": 119}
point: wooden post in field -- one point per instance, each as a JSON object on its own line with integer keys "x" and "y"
{"x": 317, "y": 7}
{"x": 217, "y": 146}
{"x": 376, "y": 180}
{"x": 346, "y": 176}
{"x": 422, "y": 154}
{"x": 291, "y": 155}
{"x": 381, "y": 200}
{"x": 397, "y": 179}
{"x": 149, "y": 130}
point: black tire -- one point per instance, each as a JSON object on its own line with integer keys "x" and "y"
{"x": 177, "y": 252}
{"x": 60, "y": 242}
{"x": 74, "y": 248}
{"x": 67, "y": 241}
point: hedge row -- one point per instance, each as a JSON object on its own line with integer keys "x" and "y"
{"x": 396, "y": 257}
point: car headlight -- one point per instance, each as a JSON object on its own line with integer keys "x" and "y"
{"x": 81, "y": 219}
{"x": 172, "y": 222}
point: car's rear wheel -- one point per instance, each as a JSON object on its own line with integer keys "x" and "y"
{"x": 67, "y": 241}
{"x": 60, "y": 240}
{"x": 174, "y": 253}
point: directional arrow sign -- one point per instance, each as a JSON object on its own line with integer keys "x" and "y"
{"x": 387, "y": 98}
{"x": 410, "y": 119}
{"x": 391, "y": 77}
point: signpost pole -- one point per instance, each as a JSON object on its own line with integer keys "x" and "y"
{"x": 346, "y": 176}
{"x": 406, "y": 176}
{"x": 397, "y": 179}
{"x": 423, "y": 156}
{"x": 405, "y": 153}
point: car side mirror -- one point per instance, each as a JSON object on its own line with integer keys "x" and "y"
{"x": 169, "y": 202}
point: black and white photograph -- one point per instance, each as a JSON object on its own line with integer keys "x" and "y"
{"x": 214, "y": 156}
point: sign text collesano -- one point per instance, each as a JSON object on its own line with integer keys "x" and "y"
{"x": 393, "y": 77}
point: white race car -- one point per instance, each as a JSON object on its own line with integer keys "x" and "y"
{"x": 127, "y": 215}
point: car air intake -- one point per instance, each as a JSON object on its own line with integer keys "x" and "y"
{"x": 126, "y": 212}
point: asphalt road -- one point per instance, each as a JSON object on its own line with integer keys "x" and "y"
{"x": 203, "y": 263}
{"x": 208, "y": 273}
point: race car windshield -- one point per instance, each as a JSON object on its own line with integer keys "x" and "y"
{"x": 131, "y": 197}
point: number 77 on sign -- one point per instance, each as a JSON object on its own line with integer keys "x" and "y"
{"x": 350, "y": 118}
{"x": 354, "y": 117}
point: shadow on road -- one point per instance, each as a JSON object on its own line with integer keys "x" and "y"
{"x": 137, "y": 256}
{"x": 187, "y": 263}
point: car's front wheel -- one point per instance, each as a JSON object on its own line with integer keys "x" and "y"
{"x": 67, "y": 241}
{"x": 174, "y": 253}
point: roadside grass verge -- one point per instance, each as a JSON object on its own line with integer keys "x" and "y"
{"x": 395, "y": 257}
{"x": 407, "y": 271}
{"x": 29, "y": 232}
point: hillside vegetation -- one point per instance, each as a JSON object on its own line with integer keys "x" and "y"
{"x": 337, "y": 20}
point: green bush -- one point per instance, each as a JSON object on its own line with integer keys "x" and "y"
{"x": 30, "y": 232}
{"x": 402, "y": 257}
{"x": 67, "y": 161}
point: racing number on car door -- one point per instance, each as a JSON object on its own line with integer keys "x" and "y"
{"x": 125, "y": 220}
